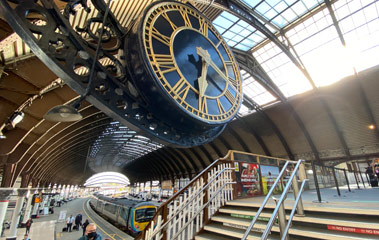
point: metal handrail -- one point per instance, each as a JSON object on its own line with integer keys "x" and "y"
{"x": 284, "y": 234}
{"x": 201, "y": 209}
{"x": 265, "y": 201}
{"x": 282, "y": 197}
{"x": 190, "y": 201}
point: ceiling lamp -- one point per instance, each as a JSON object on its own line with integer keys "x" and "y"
{"x": 63, "y": 113}
{"x": 16, "y": 118}
{"x": 2, "y": 136}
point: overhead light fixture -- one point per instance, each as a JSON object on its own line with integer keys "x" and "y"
{"x": 372, "y": 126}
{"x": 2, "y": 136}
{"x": 16, "y": 118}
{"x": 63, "y": 113}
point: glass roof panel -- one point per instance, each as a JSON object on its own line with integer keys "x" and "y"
{"x": 254, "y": 90}
{"x": 359, "y": 22}
{"x": 281, "y": 70}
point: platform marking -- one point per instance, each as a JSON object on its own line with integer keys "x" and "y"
{"x": 110, "y": 235}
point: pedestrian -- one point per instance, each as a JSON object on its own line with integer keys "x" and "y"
{"x": 28, "y": 225}
{"x": 69, "y": 221}
{"x": 78, "y": 221}
{"x": 26, "y": 237}
{"x": 85, "y": 224}
{"x": 90, "y": 233}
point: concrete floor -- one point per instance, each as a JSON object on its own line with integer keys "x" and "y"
{"x": 46, "y": 227}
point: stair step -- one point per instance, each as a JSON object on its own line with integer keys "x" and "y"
{"x": 311, "y": 207}
{"x": 294, "y": 230}
{"x": 234, "y": 232}
{"x": 211, "y": 236}
{"x": 346, "y": 221}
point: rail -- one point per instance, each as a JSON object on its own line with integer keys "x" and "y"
{"x": 280, "y": 202}
{"x": 269, "y": 194}
{"x": 285, "y": 232}
{"x": 185, "y": 213}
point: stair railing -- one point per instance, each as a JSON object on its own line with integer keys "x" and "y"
{"x": 280, "y": 202}
{"x": 298, "y": 199}
{"x": 269, "y": 194}
{"x": 185, "y": 213}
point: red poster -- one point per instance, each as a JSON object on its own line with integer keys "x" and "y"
{"x": 249, "y": 185}
{"x": 354, "y": 230}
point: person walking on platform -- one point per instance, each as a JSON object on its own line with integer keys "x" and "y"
{"x": 70, "y": 220}
{"x": 78, "y": 221}
{"x": 85, "y": 224}
{"x": 91, "y": 233}
{"x": 28, "y": 225}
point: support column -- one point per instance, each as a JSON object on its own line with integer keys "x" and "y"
{"x": 4, "y": 200}
{"x": 16, "y": 214}
{"x": 36, "y": 205}
{"x": 28, "y": 208}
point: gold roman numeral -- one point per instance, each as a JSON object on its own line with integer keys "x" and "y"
{"x": 203, "y": 105}
{"x": 230, "y": 97}
{"x": 184, "y": 91}
{"x": 179, "y": 85}
{"x": 160, "y": 37}
{"x": 174, "y": 27}
{"x": 165, "y": 63}
{"x": 221, "y": 108}
{"x": 186, "y": 18}
{"x": 203, "y": 27}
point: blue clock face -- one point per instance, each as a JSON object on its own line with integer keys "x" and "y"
{"x": 191, "y": 63}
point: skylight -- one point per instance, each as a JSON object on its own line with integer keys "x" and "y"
{"x": 314, "y": 41}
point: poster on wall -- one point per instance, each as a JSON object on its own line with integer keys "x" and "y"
{"x": 248, "y": 180}
{"x": 269, "y": 175}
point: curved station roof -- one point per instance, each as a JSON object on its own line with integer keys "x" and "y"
{"x": 310, "y": 91}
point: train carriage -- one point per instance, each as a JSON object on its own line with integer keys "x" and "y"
{"x": 130, "y": 215}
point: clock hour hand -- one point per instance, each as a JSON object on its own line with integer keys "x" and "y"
{"x": 207, "y": 58}
{"x": 202, "y": 80}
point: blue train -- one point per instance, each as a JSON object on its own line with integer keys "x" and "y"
{"x": 129, "y": 215}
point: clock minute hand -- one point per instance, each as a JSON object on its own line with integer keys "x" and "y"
{"x": 202, "y": 80}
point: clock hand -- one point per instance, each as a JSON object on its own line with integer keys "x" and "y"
{"x": 202, "y": 80}
{"x": 206, "y": 57}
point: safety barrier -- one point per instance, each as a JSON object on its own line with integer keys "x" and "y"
{"x": 185, "y": 214}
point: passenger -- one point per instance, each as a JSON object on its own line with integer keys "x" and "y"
{"x": 28, "y": 225}
{"x": 85, "y": 224}
{"x": 78, "y": 221}
{"x": 69, "y": 222}
{"x": 26, "y": 237}
{"x": 91, "y": 234}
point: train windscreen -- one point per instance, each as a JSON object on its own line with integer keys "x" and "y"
{"x": 144, "y": 214}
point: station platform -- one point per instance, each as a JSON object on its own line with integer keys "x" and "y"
{"x": 363, "y": 200}
{"x": 49, "y": 228}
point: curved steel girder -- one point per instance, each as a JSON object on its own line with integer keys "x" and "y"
{"x": 251, "y": 130}
{"x": 134, "y": 173}
{"x": 179, "y": 167}
{"x": 163, "y": 162}
{"x": 226, "y": 144}
{"x": 197, "y": 155}
{"x": 239, "y": 139}
{"x": 87, "y": 113}
{"x": 207, "y": 154}
{"x": 69, "y": 140}
{"x": 216, "y": 149}
{"x": 188, "y": 157}
{"x": 185, "y": 170}
{"x": 79, "y": 151}
{"x": 54, "y": 155}
{"x": 182, "y": 166}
